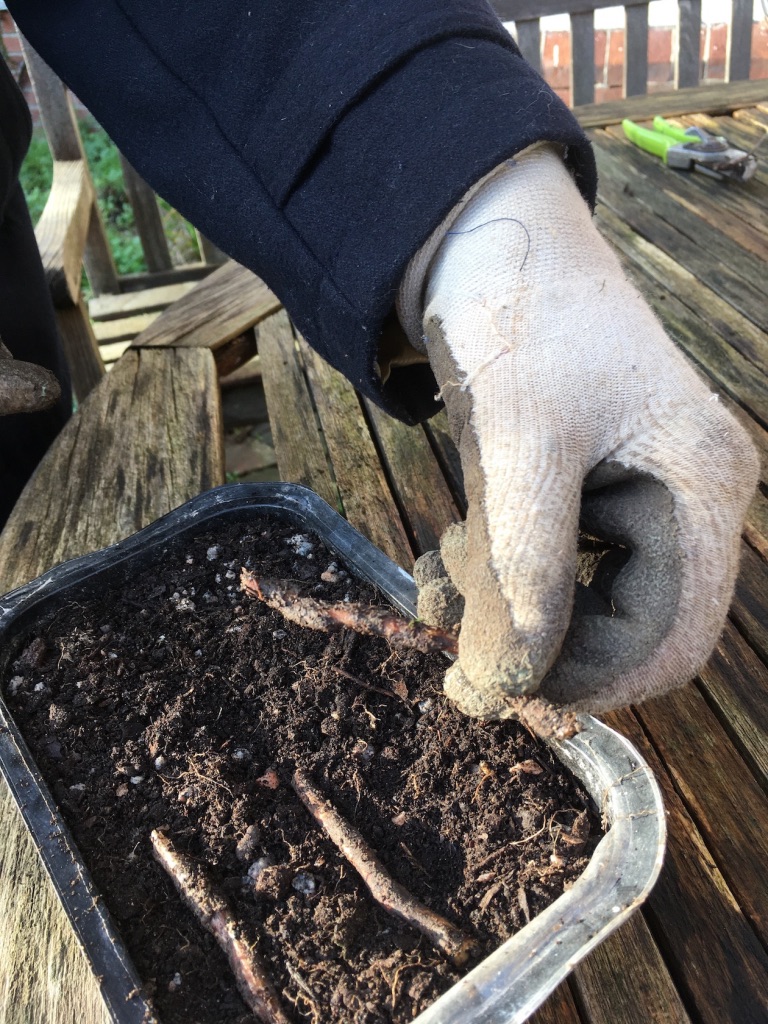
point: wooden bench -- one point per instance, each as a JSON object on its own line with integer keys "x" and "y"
{"x": 147, "y": 438}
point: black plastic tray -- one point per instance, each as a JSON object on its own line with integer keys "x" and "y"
{"x": 508, "y": 986}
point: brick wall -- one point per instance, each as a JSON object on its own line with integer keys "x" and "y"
{"x": 556, "y": 58}
{"x": 15, "y": 60}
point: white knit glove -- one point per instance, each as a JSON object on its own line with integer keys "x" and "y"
{"x": 565, "y": 396}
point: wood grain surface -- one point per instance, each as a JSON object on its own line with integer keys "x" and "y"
{"x": 86, "y": 363}
{"x": 299, "y": 446}
{"x": 147, "y": 439}
{"x": 719, "y": 966}
{"x": 365, "y": 495}
{"x": 62, "y": 229}
{"x": 145, "y": 300}
{"x": 721, "y": 99}
{"x": 641, "y": 989}
{"x": 423, "y": 497}
{"x": 221, "y": 307}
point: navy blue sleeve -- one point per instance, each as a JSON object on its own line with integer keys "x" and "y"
{"x": 318, "y": 142}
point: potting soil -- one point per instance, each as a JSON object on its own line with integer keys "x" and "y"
{"x": 173, "y": 701}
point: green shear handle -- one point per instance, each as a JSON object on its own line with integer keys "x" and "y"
{"x": 657, "y": 140}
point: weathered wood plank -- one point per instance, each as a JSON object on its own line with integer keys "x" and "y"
{"x": 186, "y": 272}
{"x": 248, "y": 373}
{"x": 738, "y": 53}
{"x": 44, "y": 978}
{"x": 128, "y": 327}
{"x": 115, "y": 307}
{"x": 220, "y": 308}
{"x": 753, "y": 116}
{"x": 447, "y": 455}
{"x": 636, "y": 51}
{"x": 365, "y": 495}
{"x": 529, "y": 41}
{"x": 299, "y": 447}
{"x": 510, "y": 10}
{"x": 721, "y": 264}
{"x": 63, "y": 228}
{"x": 625, "y": 979}
{"x": 558, "y": 1009}
{"x": 719, "y": 791}
{"x": 235, "y": 353}
{"x": 738, "y": 376}
{"x": 712, "y": 99}
{"x": 703, "y": 332}
{"x": 687, "y": 59}
{"x": 63, "y": 136}
{"x": 717, "y": 962}
{"x": 145, "y": 440}
{"x": 735, "y": 331}
{"x": 56, "y": 111}
{"x": 81, "y": 348}
{"x": 112, "y": 351}
{"x": 146, "y": 215}
{"x": 735, "y": 684}
{"x": 582, "y": 57}
{"x": 750, "y": 604}
{"x": 420, "y": 490}
{"x": 730, "y": 211}
{"x": 99, "y": 264}
{"x": 738, "y": 197}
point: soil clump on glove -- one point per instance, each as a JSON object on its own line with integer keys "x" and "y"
{"x": 174, "y": 702}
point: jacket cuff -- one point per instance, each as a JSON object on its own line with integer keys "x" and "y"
{"x": 392, "y": 168}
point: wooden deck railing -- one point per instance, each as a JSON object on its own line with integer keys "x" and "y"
{"x": 63, "y": 136}
{"x": 526, "y": 15}
{"x": 71, "y": 235}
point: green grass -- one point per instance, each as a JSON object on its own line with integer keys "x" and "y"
{"x": 116, "y": 211}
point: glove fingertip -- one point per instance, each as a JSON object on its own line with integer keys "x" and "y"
{"x": 428, "y": 567}
{"x": 440, "y": 604}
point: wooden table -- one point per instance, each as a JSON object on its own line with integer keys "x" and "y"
{"x": 698, "y": 950}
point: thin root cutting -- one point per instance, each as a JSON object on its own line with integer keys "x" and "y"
{"x": 392, "y": 896}
{"x": 211, "y": 910}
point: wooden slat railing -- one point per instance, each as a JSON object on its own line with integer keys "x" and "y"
{"x": 527, "y": 13}
{"x": 63, "y": 136}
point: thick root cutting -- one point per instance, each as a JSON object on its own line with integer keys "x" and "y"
{"x": 394, "y": 897}
{"x": 543, "y": 719}
{"x": 330, "y": 617}
{"x": 211, "y": 910}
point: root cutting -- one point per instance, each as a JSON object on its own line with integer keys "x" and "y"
{"x": 331, "y": 617}
{"x": 392, "y": 896}
{"x": 211, "y": 910}
{"x": 543, "y": 719}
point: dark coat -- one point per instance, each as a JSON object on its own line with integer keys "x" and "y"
{"x": 27, "y": 323}
{"x": 318, "y": 142}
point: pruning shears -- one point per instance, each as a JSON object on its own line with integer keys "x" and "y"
{"x": 692, "y": 149}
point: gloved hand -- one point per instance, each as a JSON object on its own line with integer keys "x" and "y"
{"x": 565, "y": 398}
{"x": 25, "y": 387}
